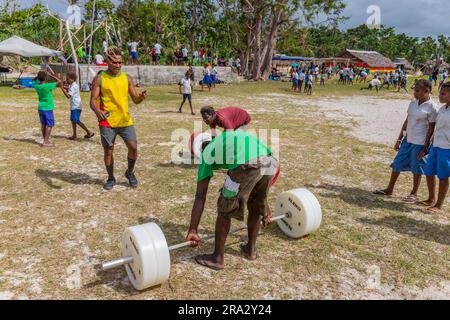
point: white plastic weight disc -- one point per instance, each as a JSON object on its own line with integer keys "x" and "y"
{"x": 303, "y": 211}
{"x": 151, "y": 259}
{"x": 196, "y": 141}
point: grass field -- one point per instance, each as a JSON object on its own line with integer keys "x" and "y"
{"x": 57, "y": 223}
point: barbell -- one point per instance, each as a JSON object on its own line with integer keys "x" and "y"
{"x": 145, "y": 252}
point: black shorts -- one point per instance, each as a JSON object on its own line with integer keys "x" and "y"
{"x": 187, "y": 96}
{"x": 108, "y": 135}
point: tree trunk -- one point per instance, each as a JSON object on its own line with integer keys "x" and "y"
{"x": 271, "y": 42}
{"x": 256, "y": 67}
{"x": 245, "y": 57}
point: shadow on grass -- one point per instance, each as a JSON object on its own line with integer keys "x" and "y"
{"x": 173, "y": 165}
{"x": 360, "y": 197}
{"x": 167, "y": 111}
{"x": 70, "y": 177}
{"x": 416, "y": 228}
{"x": 25, "y": 140}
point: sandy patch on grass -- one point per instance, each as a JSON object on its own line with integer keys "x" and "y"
{"x": 371, "y": 119}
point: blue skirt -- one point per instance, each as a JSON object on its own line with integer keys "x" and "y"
{"x": 437, "y": 162}
{"x": 406, "y": 159}
{"x": 207, "y": 80}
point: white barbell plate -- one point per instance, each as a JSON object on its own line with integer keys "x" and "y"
{"x": 151, "y": 259}
{"x": 197, "y": 139}
{"x": 303, "y": 209}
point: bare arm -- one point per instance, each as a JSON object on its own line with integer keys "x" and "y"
{"x": 430, "y": 133}
{"x": 401, "y": 136}
{"x": 132, "y": 91}
{"x": 58, "y": 80}
{"x": 199, "y": 203}
{"x": 404, "y": 127}
{"x": 65, "y": 92}
{"x": 95, "y": 95}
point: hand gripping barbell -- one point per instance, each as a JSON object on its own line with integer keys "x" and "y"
{"x": 145, "y": 252}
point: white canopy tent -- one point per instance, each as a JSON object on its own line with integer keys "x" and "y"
{"x": 16, "y": 46}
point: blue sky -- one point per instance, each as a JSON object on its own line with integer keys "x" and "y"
{"x": 413, "y": 17}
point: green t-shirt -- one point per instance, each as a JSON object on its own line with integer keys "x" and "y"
{"x": 230, "y": 150}
{"x": 45, "y": 94}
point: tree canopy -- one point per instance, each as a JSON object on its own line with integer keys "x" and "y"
{"x": 253, "y": 30}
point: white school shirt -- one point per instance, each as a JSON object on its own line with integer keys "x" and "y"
{"x": 157, "y": 48}
{"x": 214, "y": 71}
{"x": 296, "y": 76}
{"x": 375, "y": 82}
{"x": 186, "y": 83}
{"x": 301, "y": 76}
{"x": 99, "y": 59}
{"x": 442, "y": 131}
{"x": 75, "y": 98}
{"x": 184, "y": 52}
{"x": 419, "y": 118}
{"x": 133, "y": 46}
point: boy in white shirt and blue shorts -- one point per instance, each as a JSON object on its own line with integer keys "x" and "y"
{"x": 73, "y": 94}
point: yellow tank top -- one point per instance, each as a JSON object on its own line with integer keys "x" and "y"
{"x": 114, "y": 100}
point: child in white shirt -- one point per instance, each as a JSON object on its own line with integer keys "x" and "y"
{"x": 72, "y": 92}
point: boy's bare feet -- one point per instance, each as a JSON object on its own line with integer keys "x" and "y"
{"x": 248, "y": 254}
{"x": 210, "y": 261}
{"x": 47, "y": 144}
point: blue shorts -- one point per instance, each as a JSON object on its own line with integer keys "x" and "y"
{"x": 47, "y": 118}
{"x": 75, "y": 115}
{"x": 406, "y": 159}
{"x": 213, "y": 79}
{"x": 437, "y": 162}
{"x": 134, "y": 55}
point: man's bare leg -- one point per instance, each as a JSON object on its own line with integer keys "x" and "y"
{"x": 215, "y": 260}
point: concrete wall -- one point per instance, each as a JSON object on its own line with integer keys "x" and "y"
{"x": 148, "y": 75}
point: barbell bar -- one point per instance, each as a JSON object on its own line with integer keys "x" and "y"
{"x": 126, "y": 260}
{"x": 146, "y": 255}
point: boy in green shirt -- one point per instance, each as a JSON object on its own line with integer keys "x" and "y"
{"x": 46, "y": 104}
{"x": 251, "y": 168}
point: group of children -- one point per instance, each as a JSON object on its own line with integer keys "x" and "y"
{"x": 46, "y": 104}
{"x": 299, "y": 76}
{"x": 424, "y": 147}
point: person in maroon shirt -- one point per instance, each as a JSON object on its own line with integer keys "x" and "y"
{"x": 230, "y": 118}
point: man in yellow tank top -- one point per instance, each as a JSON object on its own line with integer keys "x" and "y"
{"x": 109, "y": 101}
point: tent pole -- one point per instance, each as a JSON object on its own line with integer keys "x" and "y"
{"x": 75, "y": 57}
{"x": 92, "y": 33}
{"x": 61, "y": 36}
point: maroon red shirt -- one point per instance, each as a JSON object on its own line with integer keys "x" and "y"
{"x": 232, "y": 118}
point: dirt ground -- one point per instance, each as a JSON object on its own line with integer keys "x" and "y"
{"x": 57, "y": 223}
